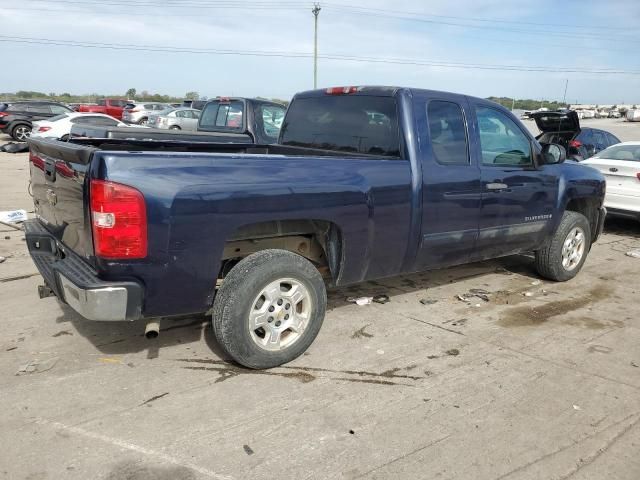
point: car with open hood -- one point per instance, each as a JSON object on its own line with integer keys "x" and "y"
{"x": 563, "y": 127}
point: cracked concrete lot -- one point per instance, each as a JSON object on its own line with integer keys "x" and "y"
{"x": 539, "y": 380}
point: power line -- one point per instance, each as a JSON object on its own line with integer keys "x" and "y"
{"x": 337, "y": 57}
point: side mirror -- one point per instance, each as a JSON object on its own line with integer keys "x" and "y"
{"x": 553, "y": 153}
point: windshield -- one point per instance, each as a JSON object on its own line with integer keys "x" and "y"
{"x": 359, "y": 124}
{"x": 621, "y": 152}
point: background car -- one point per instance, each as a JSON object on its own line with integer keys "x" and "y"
{"x": 563, "y": 127}
{"x": 60, "y": 126}
{"x": 620, "y": 165}
{"x": 176, "y": 119}
{"x": 16, "y": 118}
{"x": 140, "y": 112}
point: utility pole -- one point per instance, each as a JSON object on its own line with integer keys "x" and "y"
{"x": 564, "y": 98}
{"x": 513, "y": 103}
{"x": 315, "y": 11}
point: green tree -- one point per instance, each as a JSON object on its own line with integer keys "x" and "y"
{"x": 192, "y": 96}
{"x": 131, "y": 93}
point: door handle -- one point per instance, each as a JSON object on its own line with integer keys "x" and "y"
{"x": 497, "y": 186}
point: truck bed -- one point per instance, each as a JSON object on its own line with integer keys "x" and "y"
{"x": 156, "y": 134}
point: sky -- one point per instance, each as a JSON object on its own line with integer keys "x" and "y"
{"x": 408, "y": 43}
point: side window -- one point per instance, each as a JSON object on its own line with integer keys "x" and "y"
{"x": 448, "y": 133}
{"x": 181, "y": 114}
{"x": 272, "y": 118}
{"x": 612, "y": 139}
{"x": 38, "y": 108}
{"x": 501, "y": 140}
{"x": 102, "y": 121}
{"x": 102, "y": 103}
{"x": 58, "y": 109}
{"x": 599, "y": 139}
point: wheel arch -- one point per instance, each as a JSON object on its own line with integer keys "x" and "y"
{"x": 320, "y": 241}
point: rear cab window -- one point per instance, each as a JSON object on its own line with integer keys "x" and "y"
{"x": 359, "y": 124}
{"x": 223, "y": 115}
{"x": 272, "y": 117}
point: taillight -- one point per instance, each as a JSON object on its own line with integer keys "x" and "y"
{"x": 3, "y": 114}
{"x": 341, "y": 90}
{"x": 44, "y": 129}
{"x": 36, "y": 161}
{"x": 119, "y": 220}
{"x": 638, "y": 175}
{"x": 575, "y": 143}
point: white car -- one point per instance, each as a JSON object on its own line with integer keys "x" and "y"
{"x": 60, "y": 126}
{"x": 620, "y": 164}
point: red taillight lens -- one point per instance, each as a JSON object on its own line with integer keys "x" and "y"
{"x": 44, "y": 129}
{"x": 3, "y": 114}
{"x": 36, "y": 160}
{"x": 119, "y": 220}
{"x": 638, "y": 175}
{"x": 341, "y": 90}
{"x": 575, "y": 143}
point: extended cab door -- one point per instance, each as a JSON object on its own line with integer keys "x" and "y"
{"x": 518, "y": 196}
{"x": 450, "y": 180}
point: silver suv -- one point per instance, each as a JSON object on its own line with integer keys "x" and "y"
{"x": 140, "y": 112}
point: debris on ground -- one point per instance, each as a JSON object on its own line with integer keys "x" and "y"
{"x": 576, "y": 407}
{"x": 381, "y": 299}
{"x": 37, "y": 367}
{"x": 13, "y": 216}
{"x": 454, "y": 352}
{"x": 633, "y": 253}
{"x": 528, "y": 294}
{"x": 2, "y": 259}
{"x": 360, "y": 300}
{"x": 247, "y": 449}
{"x": 474, "y": 293}
{"x": 634, "y": 364}
{"x": 536, "y": 282}
{"x": 13, "y": 147}
{"x": 360, "y": 333}
{"x": 428, "y": 301}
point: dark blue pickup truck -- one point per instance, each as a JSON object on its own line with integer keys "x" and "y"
{"x": 364, "y": 183}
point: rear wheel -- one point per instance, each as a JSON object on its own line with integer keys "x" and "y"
{"x": 174, "y": 127}
{"x": 564, "y": 256}
{"x": 21, "y": 132}
{"x": 143, "y": 121}
{"x": 269, "y": 309}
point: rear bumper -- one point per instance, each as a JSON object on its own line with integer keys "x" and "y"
{"x": 77, "y": 284}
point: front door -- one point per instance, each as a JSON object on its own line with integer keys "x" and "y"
{"x": 450, "y": 181}
{"x": 518, "y": 197}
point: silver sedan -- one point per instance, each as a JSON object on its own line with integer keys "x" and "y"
{"x": 176, "y": 119}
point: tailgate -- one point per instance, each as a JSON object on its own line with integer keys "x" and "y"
{"x": 57, "y": 183}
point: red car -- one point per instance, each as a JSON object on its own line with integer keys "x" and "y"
{"x": 108, "y": 106}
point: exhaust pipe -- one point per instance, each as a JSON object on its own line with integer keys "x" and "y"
{"x": 152, "y": 330}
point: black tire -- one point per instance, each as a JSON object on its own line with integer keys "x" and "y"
{"x": 549, "y": 260}
{"x": 64, "y": 138}
{"x": 19, "y": 131}
{"x": 143, "y": 121}
{"x": 236, "y": 299}
{"x": 174, "y": 127}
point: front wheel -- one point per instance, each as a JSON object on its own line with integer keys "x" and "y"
{"x": 565, "y": 254}
{"x": 143, "y": 121}
{"x": 269, "y": 309}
